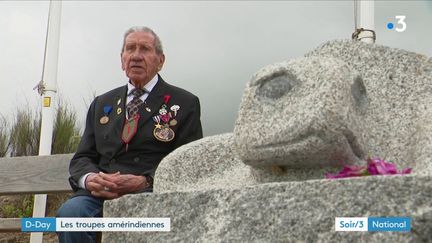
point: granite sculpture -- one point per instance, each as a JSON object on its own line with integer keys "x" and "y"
{"x": 341, "y": 102}
{"x": 297, "y": 120}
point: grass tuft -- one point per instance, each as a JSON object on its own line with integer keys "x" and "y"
{"x": 20, "y": 137}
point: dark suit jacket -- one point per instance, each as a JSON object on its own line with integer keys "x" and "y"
{"x": 101, "y": 147}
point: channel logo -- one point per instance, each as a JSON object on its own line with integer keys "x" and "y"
{"x": 400, "y": 26}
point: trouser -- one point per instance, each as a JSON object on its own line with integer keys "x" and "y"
{"x": 80, "y": 207}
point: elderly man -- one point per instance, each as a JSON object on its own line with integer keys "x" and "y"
{"x": 128, "y": 131}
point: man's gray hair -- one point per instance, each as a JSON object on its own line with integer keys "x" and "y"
{"x": 158, "y": 43}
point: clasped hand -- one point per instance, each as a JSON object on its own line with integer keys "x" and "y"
{"x": 115, "y": 185}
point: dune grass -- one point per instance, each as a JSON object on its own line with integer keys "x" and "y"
{"x": 20, "y": 137}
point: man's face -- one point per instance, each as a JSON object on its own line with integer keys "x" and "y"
{"x": 139, "y": 58}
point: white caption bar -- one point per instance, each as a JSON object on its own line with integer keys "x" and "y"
{"x": 351, "y": 224}
{"x": 113, "y": 224}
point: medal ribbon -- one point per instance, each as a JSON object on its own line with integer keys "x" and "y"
{"x": 130, "y": 129}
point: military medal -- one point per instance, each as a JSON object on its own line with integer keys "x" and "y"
{"x": 162, "y": 110}
{"x": 164, "y": 121}
{"x": 175, "y": 108}
{"x": 130, "y": 129}
{"x": 105, "y": 119}
{"x": 163, "y": 133}
{"x": 173, "y": 122}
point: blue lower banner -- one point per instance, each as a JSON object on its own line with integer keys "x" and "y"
{"x": 38, "y": 224}
{"x": 402, "y": 224}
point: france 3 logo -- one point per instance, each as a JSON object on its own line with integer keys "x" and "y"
{"x": 400, "y": 25}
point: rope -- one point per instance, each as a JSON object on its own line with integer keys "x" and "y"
{"x": 41, "y": 88}
{"x": 357, "y": 32}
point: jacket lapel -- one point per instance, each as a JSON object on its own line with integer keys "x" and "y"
{"x": 119, "y": 118}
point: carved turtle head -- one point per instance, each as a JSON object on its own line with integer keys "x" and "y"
{"x": 302, "y": 113}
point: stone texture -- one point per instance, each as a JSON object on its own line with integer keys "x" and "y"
{"x": 208, "y": 163}
{"x": 341, "y": 102}
{"x": 281, "y": 212}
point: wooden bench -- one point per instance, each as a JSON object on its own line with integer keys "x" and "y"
{"x": 32, "y": 175}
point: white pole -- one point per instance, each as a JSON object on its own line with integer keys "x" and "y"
{"x": 367, "y": 20}
{"x": 48, "y": 100}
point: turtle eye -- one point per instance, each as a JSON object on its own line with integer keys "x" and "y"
{"x": 277, "y": 86}
{"x": 359, "y": 93}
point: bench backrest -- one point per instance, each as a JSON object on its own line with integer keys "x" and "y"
{"x": 35, "y": 174}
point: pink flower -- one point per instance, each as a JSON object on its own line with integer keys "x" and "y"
{"x": 349, "y": 171}
{"x": 375, "y": 166}
{"x": 406, "y": 171}
{"x": 378, "y": 166}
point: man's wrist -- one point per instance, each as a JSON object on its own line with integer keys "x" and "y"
{"x": 149, "y": 180}
{"x": 82, "y": 183}
{"x": 145, "y": 185}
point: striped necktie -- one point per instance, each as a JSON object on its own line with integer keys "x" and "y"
{"x": 133, "y": 106}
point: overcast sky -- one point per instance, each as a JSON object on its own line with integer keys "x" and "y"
{"x": 212, "y": 48}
